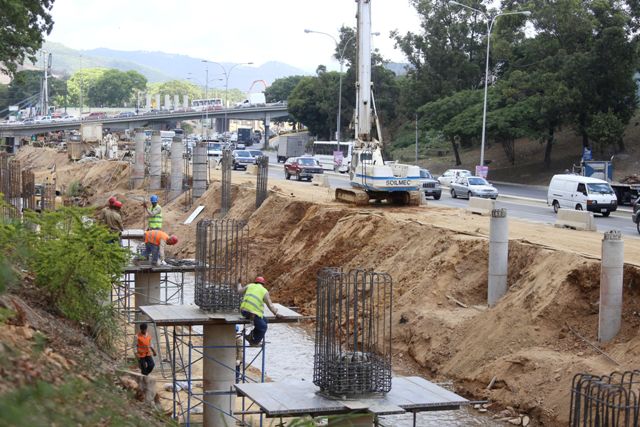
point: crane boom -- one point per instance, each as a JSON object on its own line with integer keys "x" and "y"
{"x": 364, "y": 71}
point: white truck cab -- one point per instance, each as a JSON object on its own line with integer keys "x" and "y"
{"x": 568, "y": 191}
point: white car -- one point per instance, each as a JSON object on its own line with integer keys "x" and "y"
{"x": 451, "y": 175}
{"x": 473, "y": 186}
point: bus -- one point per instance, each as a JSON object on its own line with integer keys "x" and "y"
{"x": 330, "y": 158}
{"x": 207, "y": 104}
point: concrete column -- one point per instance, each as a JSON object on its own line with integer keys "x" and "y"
{"x": 185, "y": 101}
{"x": 498, "y": 256}
{"x": 167, "y": 102}
{"x": 611, "y": 274}
{"x": 176, "y": 167}
{"x": 155, "y": 163}
{"x": 148, "y": 293}
{"x": 176, "y": 102}
{"x": 148, "y": 101}
{"x": 219, "y": 374}
{"x": 199, "y": 171}
{"x": 138, "y": 166}
{"x": 157, "y": 101}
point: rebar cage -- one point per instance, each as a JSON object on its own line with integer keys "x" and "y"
{"x": 261, "y": 184}
{"x": 353, "y": 332}
{"x": 222, "y": 252}
{"x": 608, "y": 400}
{"x": 225, "y": 203}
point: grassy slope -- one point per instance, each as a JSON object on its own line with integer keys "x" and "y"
{"x": 528, "y": 168}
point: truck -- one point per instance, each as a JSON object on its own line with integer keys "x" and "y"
{"x": 253, "y": 100}
{"x": 245, "y": 136}
{"x": 626, "y": 190}
{"x": 91, "y": 132}
{"x": 291, "y": 146}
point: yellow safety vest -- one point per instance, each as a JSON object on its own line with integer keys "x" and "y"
{"x": 253, "y": 299}
{"x": 155, "y": 221}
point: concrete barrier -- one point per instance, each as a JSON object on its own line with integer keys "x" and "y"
{"x": 321, "y": 180}
{"x": 577, "y": 220}
{"x": 252, "y": 170}
{"x": 481, "y": 206}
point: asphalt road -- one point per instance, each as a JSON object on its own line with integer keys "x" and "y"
{"x": 521, "y": 201}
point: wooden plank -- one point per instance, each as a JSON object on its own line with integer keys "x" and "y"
{"x": 193, "y": 215}
{"x": 192, "y": 315}
{"x": 385, "y": 409}
{"x": 355, "y": 405}
{"x": 441, "y": 392}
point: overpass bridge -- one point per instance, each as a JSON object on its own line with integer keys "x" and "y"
{"x": 152, "y": 120}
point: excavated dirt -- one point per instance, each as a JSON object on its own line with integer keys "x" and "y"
{"x": 527, "y": 344}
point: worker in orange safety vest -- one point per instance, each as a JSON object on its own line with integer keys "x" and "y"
{"x": 144, "y": 349}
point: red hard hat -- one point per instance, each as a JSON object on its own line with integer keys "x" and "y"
{"x": 112, "y": 201}
{"x": 260, "y": 279}
{"x": 172, "y": 240}
{"x": 117, "y": 204}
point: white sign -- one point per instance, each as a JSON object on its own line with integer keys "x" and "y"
{"x": 338, "y": 157}
{"x": 14, "y": 108}
{"x": 482, "y": 171}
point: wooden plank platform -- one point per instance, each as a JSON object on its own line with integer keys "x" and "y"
{"x": 408, "y": 394}
{"x": 148, "y": 268}
{"x": 190, "y": 315}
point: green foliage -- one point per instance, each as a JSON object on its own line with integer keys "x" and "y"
{"x": 79, "y": 83}
{"x": 74, "y": 189}
{"x": 606, "y": 129}
{"x": 14, "y": 254}
{"x": 176, "y": 87}
{"x": 75, "y": 263}
{"x": 75, "y": 402}
{"x": 116, "y": 88}
{"x": 282, "y": 88}
{"x": 27, "y": 83}
{"x": 22, "y": 25}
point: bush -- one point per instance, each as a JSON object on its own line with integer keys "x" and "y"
{"x": 75, "y": 262}
{"x": 13, "y": 252}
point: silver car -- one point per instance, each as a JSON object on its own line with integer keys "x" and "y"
{"x": 473, "y": 186}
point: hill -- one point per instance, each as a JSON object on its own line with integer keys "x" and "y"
{"x": 161, "y": 66}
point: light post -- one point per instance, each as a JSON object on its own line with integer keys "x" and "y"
{"x": 490, "y": 21}
{"x": 226, "y": 85}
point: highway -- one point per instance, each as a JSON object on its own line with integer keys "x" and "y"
{"x": 521, "y": 201}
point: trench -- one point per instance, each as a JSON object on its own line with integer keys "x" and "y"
{"x": 289, "y": 357}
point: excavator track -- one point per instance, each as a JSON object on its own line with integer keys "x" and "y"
{"x": 352, "y": 196}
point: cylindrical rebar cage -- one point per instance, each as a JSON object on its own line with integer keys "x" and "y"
{"x": 222, "y": 251}
{"x": 28, "y": 190}
{"x": 225, "y": 202}
{"x": 261, "y": 183}
{"x": 353, "y": 333}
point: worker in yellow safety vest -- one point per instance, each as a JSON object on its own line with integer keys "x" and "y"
{"x": 255, "y": 296}
{"x": 154, "y": 213}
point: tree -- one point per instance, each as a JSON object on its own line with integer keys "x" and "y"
{"x": 176, "y": 87}
{"x": 22, "y": 25}
{"x": 280, "y": 89}
{"x": 116, "y": 88}
{"x": 314, "y": 102}
{"x": 79, "y": 83}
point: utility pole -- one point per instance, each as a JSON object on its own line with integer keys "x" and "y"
{"x": 416, "y": 139}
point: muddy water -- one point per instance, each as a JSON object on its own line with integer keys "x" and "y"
{"x": 289, "y": 357}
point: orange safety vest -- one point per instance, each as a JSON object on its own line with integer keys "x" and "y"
{"x": 144, "y": 345}
{"x": 155, "y": 236}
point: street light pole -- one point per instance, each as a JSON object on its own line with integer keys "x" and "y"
{"x": 490, "y": 22}
{"x": 226, "y": 86}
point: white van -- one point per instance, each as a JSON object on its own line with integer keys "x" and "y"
{"x": 581, "y": 192}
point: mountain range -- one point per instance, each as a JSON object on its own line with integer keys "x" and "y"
{"x": 161, "y": 66}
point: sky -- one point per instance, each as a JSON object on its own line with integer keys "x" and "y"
{"x": 235, "y": 31}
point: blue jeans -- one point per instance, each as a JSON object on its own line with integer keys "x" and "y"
{"x": 151, "y": 252}
{"x": 259, "y": 327}
{"x": 146, "y": 364}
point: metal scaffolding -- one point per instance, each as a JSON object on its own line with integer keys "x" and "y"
{"x": 261, "y": 184}
{"x": 187, "y": 352}
{"x": 225, "y": 202}
{"x": 608, "y": 400}
{"x": 222, "y": 251}
{"x": 353, "y": 332}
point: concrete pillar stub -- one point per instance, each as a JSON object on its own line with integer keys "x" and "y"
{"x": 219, "y": 374}
{"x": 177, "y": 163}
{"x": 155, "y": 163}
{"x": 498, "y": 256}
{"x": 138, "y": 166}
{"x": 147, "y": 292}
{"x": 611, "y": 279}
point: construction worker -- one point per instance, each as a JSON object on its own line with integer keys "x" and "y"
{"x": 143, "y": 347}
{"x": 154, "y": 213}
{"x": 155, "y": 242}
{"x": 110, "y": 215}
{"x": 252, "y": 308}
